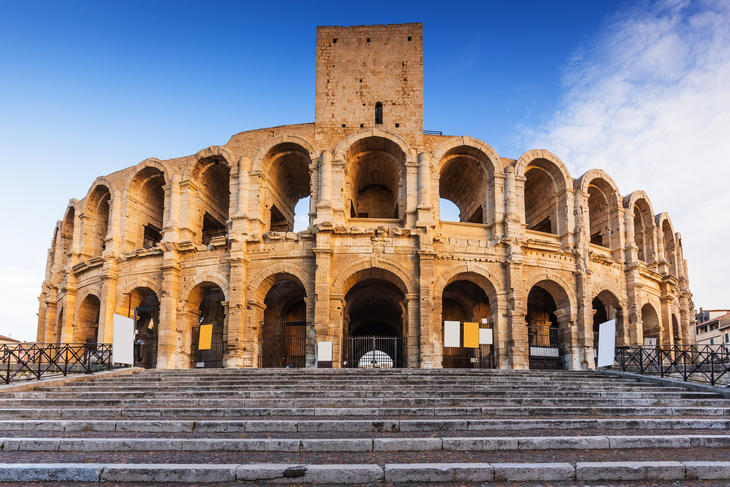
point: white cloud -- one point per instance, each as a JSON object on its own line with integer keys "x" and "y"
{"x": 648, "y": 101}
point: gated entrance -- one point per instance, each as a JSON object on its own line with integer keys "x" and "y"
{"x": 208, "y": 359}
{"x": 283, "y": 344}
{"x": 374, "y": 352}
{"x": 544, "y": 348}
{"x": 468, "y": 358}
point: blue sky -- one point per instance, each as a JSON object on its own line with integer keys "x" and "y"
{"x": 636, "y": 88}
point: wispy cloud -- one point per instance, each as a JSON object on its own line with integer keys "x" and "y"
{"x": 648, "y": 101}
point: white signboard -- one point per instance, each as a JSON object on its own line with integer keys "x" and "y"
{"x": 485, "y": 336}
{"x": 452, "y": 333}
{"x": 324, "y": 351}
{"x": 606, "y": 343}
{"x": 123, "y": 340}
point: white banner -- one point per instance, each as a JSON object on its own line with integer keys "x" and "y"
{"x": 485, "y": 336}
{"x": 606, "y": 343}
{"x": 452, "y": 333}
{"x": 123, "y": 340}
{"x": 324, "y": 351}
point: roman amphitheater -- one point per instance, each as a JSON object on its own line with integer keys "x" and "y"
{"x": 538, "y": 256}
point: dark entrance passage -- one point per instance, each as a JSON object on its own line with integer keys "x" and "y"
{"x": 542, "y": 330}
{"x": 466, "y": 302}
{"x": 148, "y": 318}
{"x": 375, "y": 314}
{"x": 284, "y": 328}
{"x": 211, "y": 312}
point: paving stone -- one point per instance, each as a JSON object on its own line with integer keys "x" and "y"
{"x": 707, "y": 470}
{"x": 407, "y": 444}
{"x": 168, "y": 473}
{"x": 564, "y": 443}
{"x": 618, "y": 442}
{"x": 479, "y": 444}
{"x": 630, "y": 471}
{"x": 526, "y": 472}
{"x": 439, "y": 472}
{"x": 50, "y": 472}
{"x": 337, "y": 445}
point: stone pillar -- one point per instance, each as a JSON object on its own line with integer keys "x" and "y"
{"x": 108, "y": 300}
{"x": 496, "y": 214}
{"x": 501, "y": 332}
{"x": 324, "y": 206}
{"x": 76, "y": 244}
{"x": 323, "y": 261}
{"x": 168, "y": 327}
{"x": 171, "y": 226}
{"x": 50, "y": 332}
{"x": 113, "y": 238}
{"x": 517, "y": 347}
{"x": 568, "y": 338}
{"x": 69, "y": 314}
{"x": 413, "y": 325}
{"x": 236, "y": 312}
{"x": 425, "y": 209}
{"x": 423, "y": 349}
{"x": 411, "y": 193}
{"x": 512, "y": 217}
{"x": 188, "y": 212}
{"x": 633, "y": 284}
{"x": 335, "y": 331}
{"x": 584, "y": 350}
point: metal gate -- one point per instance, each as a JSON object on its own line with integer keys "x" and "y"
{"x": 468, "y": 358}
{"x": 285, "y": 346}
{"x": 208, "y": 359}
{"x": 373, "y": 352}
{"x": 544, "y": 348}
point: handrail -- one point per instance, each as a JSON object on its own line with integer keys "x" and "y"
{"x": 706, "y": 363}
{"x": 35, "y": 360}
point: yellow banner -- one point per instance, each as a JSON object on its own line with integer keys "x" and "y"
{"x": 206, "y": 337}
{"x": 471, "y": 335}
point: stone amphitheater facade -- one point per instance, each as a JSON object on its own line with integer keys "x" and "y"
{"x": 208, "y": 238}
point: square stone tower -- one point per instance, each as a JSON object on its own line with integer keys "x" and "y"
{"x": 370, "y": 76}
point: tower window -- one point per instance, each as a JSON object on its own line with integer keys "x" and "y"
{"x": 378, "y": 113}
{"x": 409, "y": 38}
{"x": 334, "y": 41}
{"x": 368, "y": 39}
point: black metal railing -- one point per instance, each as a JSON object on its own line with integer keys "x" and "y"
{"x": 27, "y": 361}
{"x": 544, "y": 347}
{"x": 284, "y": 345}
{"x": 374, "y": 352}
{"x": 211, "y": 358}
{"x": 706, "y": 363}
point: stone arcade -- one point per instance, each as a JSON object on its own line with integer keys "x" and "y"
{"x": 538, "y": 256}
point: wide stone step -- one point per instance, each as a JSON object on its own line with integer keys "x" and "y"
{"x": 356, "y": 394}
{"x": 465, "y": 444}
{"x": 366, "y": 473}
{"x": 190, "y": 412}
{"x": 360, "y": 402}
{"x": 363, "y": 426}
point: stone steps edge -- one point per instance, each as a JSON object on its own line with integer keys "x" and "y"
{"x": 462, "y": 444}
{"x": 358, "y": 474}
{"x": 343, "y": 426}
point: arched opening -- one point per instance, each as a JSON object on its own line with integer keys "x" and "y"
{"x": 284, "y": 327}
{"x": 669, "y": 247}
{"x": 301, "y": 214}
{"x": 87, "y": 321}
{"x": 547, "y": 319}
{"x": 289, "y": 181}
{"x": 374, "y": 321}
{"x": 67, "y": 237}
{"x": 374, "y": 188}
{"x": 643, "y": 230}
{"x": 96, "y": 221}
{"x": 676, "y": 333}
{"x": 213, "y": 196}
{"x": 650, "y": 325}
{"x": 606, "y": 307}
{"x": 143, "y": 304}
{"x": 204, "y": 307}
{"x": 146, "y": 209}
{"x": 541, "y": 199}
{"x": 464, "y": 181}
{"x": 465, "y": 302}
{"x": 378, "y": 113}
{"x": 600, "y": 212}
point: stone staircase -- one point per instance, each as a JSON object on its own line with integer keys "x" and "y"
{"x": 342, "y": 426}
